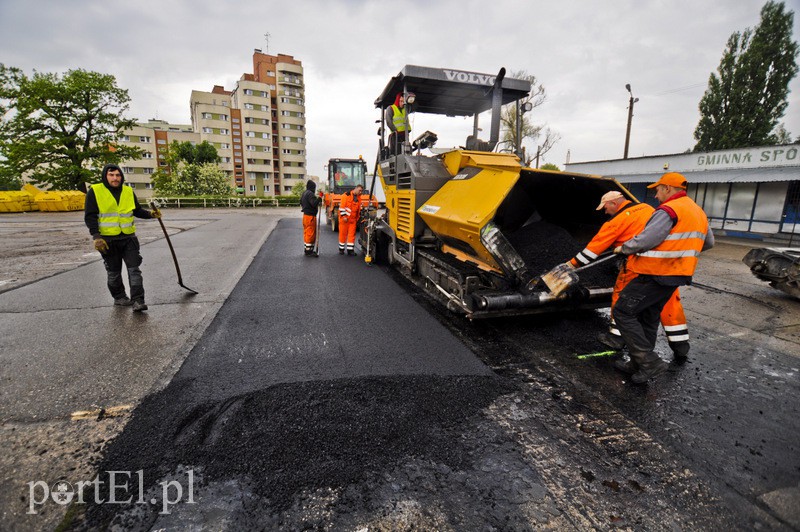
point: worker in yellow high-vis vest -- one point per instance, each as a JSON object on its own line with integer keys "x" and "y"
{"x": 109, "y": 211}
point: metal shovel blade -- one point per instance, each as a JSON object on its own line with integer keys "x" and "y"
{"x": 559, "y": 279}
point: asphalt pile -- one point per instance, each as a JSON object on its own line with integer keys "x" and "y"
{"x": 295, "y": 438}
{"x": 543, "y": 245}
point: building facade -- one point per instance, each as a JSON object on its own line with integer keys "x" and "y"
{"x": 258, "y": 129}
{"x": 747, "y": 192}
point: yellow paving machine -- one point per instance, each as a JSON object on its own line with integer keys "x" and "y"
{"x": 470, "y": 224}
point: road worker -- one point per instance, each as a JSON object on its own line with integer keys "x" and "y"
{"x": 627, "y": 220}
{"x": 309, "y": 204}
{"x": 108, "y": 213}
{"x": 663, "y": 256}
{"x": 349, "y": 210}
{"x": 397, "y": 122}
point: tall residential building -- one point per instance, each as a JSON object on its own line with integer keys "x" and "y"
{"x": 258, "y": 128}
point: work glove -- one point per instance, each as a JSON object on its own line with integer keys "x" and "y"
{"x": 100, "y": 245}
{"x": 618, "y": 250}
{"x": 569, "y": 265}
{"x": 155, "y": 213}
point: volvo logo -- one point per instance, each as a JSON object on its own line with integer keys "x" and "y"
{"x": 469, "y": 77}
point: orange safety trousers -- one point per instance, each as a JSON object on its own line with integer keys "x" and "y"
{"x": 309, "y": 231}
{"x": 347, "y": 233}
{"x": 673, "y": 318}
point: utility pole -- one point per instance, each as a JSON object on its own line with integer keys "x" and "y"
{"x": 630, "y": 119}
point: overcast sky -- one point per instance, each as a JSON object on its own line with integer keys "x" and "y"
{"x": 583, "y": 52}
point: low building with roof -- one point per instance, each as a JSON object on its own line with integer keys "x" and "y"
{"x": 746, "y": 192}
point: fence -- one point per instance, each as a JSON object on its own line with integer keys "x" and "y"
{"x": 207, "y": 203}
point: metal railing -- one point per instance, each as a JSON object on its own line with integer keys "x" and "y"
{"x": 210, "y": 203}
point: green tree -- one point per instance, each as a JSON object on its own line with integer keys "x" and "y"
{"x": 61, "y": 130}
{"x": 191, "y": 171}
{"x": 538, "y": 134}
{"x": 550, "y": 166}
{"x": 205, "y": 152}
{"x": 191, "y": 179}
{"x": 298, "y": 189}
{"x": 743, "y": 104}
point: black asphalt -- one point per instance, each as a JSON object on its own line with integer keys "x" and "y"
{"x": 316, "y": 373}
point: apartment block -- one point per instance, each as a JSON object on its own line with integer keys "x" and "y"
{"x": 258, "y": 129}
{"x": 153, "y": 137}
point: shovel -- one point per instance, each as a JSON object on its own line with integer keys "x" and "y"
{"x": 562, "y": 276}
{"x": 172, "y": 250}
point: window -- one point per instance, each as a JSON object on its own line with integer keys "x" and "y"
{"x": 248, "y": 92}
{"x": 208, "y": 130}
{"x": 249, "y": 120}
{"x": 132, "y": 185}
{"x": 265, "y": 135}
{"x": 235, "y": 120}
{"x": 148, "y": 170}
{"x": 249, "y": 106}
{"x": 249, "y": 133}
{"x": 148, "y": 186}
{"x": 286, "y": 126}
{"x": 252, "y": 188}
{"x": 264, "y": 108}
{"x": 250, "y": 148}
{"x": 129, "y": 170}
{"x": 287, "y": 176}
{"x": 286, "y": 113}
{"x": 125, "y": 138}
{"x": 208, "y": 116}
{"x": 264, "y": 94}
{"x": 162, "y": 163}
{"x": 251, "y": 175}
{"x": 270, "y": 73}
{"x": 287, "y": 188}
{"x": 147, "y": 155}
{"x": 266, "y": 188}
{"x": 224, "y": 146}
{"x": 265, "y": 121}
{"x": 286, "y": 151}
{"x": 236, "y": 133}
{"x": 224, "y": 159}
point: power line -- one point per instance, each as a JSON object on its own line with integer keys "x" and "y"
{"x": 680, "y": 89}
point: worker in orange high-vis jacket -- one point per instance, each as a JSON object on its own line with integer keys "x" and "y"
{"x": 309, "y": 204}
{"x": 663, "y": 256}
{"x": 349, "y": 210}
{"x": 627, "y": 220}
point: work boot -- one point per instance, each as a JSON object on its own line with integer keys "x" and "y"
{"x": 626, "y": 365}
{"x": 308, "y": 252}
{"x": 681, "y": 351}
{"x": 650, "y": 367}
{"x": 350, "y": 252}
{"x": 341, "y": 252}
{"x": 611, "y": 340}
{"x": 123, "y": 302}
{"x": 139, "y": 306}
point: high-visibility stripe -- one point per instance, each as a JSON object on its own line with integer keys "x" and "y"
{"x": 674, "y": 328}
{"x": 670, "y": 254}
{"x": 681, "y": 338}
{"x": 690, "y": 234}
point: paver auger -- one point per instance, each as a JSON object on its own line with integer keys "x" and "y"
{"x": 473, "y": 226}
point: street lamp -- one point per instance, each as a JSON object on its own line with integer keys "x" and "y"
{"x": 630, "y": 118}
